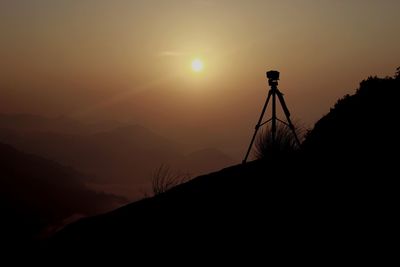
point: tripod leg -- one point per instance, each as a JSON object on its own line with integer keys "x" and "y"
{"x": 273, "y": 116}
{"x": 287, "y": 114}
{"x": 257, "y": 127}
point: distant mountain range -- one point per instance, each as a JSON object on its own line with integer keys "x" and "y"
{"x": 61, "y": 124}
{"x": 117, "y": 158}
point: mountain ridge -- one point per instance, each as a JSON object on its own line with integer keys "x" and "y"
{"x": 120, "y": 160}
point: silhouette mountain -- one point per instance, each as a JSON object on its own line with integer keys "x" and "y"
{"x": 335, "y": 197}
{"x": 362, "y": 124}
{"x": 38, "y": 196}
{"x": 61, "y": 124}
{"x": 119, "y": 160}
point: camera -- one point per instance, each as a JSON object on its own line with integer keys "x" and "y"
{"x": 273, "y": 75}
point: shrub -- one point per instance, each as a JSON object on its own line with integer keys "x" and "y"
{"x": 285, "y": 142}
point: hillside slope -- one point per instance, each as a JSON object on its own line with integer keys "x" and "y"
{"x": 338, "y": 191}
{"x": 360, "y": 124}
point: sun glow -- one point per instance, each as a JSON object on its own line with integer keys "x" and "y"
{"x": 197, "y": 65}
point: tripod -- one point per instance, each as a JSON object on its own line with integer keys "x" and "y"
{"x": 273, "y": 77}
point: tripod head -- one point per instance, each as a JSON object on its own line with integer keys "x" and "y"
{"x": 273, "y": 77}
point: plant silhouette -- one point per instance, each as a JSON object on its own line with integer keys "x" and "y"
{"x": 164, "y": 179}
{"x": 285, "y": 143}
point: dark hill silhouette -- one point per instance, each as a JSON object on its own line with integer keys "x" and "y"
{"x": 333, "y": 198}
{"x": 362, "y": 124}
{"x": 38, "y": 196}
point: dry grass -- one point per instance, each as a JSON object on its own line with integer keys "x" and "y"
{"x": 285, "y": 142}
{"x": 164, "y": 179}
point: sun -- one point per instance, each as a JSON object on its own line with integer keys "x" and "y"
{"x": 197, "y": 65}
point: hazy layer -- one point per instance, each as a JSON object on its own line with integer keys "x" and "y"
{"x": 130, "y": 60}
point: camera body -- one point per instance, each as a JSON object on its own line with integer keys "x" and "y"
{"x": 273, "y": 77}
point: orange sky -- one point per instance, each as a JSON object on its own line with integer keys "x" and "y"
{"x": 130, "y": 60}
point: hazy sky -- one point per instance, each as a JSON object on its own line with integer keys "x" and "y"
{"x": 130, "y": 60}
